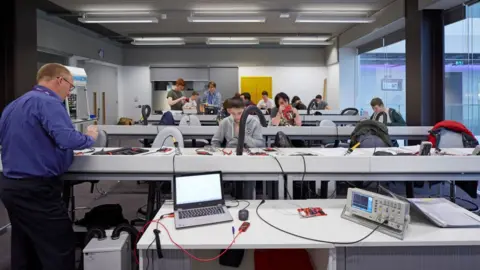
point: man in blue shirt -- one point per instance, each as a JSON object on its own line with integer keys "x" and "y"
{"x": 38, "y": 139}
{"x": 212, "y": 96}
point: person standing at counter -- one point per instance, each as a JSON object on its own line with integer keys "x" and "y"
{"x": 212, "y": 97}
{"x": 176, "y": 98}
{"x": 38, "y": 139}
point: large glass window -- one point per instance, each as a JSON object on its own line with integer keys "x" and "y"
{"x": 382, "y": 74}
{"x": 462, "y": 70}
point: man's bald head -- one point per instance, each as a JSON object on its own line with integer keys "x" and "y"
{"x": 56, "y": 77}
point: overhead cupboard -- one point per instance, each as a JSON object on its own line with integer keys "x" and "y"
{"x": 163, "y": 79}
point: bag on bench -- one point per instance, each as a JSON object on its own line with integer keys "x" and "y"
{"x": 370, "y": 134}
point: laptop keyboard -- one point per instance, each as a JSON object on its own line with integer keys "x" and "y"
{"x": 200, "y": 212}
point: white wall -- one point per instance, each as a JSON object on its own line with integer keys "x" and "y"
{"x": 333, "y": 86}
{"x": 134, "y": 89}
{"x": 305, "y": 82}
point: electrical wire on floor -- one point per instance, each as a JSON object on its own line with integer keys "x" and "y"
{"x": 312, "y": 239}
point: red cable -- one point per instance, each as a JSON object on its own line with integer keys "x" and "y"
{"x": 181, "y": 248}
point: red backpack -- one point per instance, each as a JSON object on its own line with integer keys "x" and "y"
{"x": 469, "y": 140}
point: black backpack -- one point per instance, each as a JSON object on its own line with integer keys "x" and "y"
{"x": 282, "y": 141}
{"x": 372, "y": 133}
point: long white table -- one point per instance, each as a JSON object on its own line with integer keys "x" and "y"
{"x": 304, "y": 132}
{"x": 306, "y": 119}
{"x": 424, "y": 246}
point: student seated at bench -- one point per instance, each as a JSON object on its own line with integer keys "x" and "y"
{"x": 229, "y": 128}
{"x": 393, "y": 118}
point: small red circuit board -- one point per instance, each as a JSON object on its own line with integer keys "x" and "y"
{"x": 311, "y": 212}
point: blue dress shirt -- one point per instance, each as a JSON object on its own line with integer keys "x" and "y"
{"x": 38, "y": 137}
{"x": 214, "y": 99}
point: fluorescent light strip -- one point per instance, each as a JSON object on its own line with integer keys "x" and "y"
{"x": 317, "y": 38}
{"x": 159, "y": 39}
{"x": 319, "y": 19}
{"x": 232, "y": 39}
{"x": 305, "y": 43}
{"x": 224, "y": 19}
{"x": 119, "y": 20}
{"x": 158, "y": 43}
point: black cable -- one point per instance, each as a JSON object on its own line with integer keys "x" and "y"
{"x": 248, "y": 204}
{"x": 284, "y": 176}
{"x": 311, "y": 239}
{"x": 234, "y": 206}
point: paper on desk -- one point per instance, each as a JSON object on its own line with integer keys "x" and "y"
{"x": 445, "y": 213}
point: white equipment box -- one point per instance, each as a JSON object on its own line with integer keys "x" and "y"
{"x": 108, "y": 254}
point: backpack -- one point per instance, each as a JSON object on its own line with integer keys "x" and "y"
{"x": 451, "y": 134}
{"x": 282, "y": 141}
{"x": 370, "y": 133}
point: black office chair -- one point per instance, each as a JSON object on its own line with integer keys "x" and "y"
{"x": 349, "y": 111}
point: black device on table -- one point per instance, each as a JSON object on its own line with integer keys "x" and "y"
{"x": 243, "y": 214}
{"x": 124, "y": 151}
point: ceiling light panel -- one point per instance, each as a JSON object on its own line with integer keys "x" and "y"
{"x": 233, "y": 41}
{"x": 225, "y": 18}
{"x": 158, "y": 43}
{"x": 157, "y": 39}
{"x": 299, "y": 39}
{"x": 305, "y": 43}
{"x": 332, "y": 19}
{"x": 118, "y": 19}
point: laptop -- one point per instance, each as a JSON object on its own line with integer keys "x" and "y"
{"x": 198, "y": 200}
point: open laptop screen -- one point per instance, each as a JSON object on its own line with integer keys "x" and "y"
{"x": 198, "y": 188}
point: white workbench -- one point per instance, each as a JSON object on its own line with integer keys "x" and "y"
{"x": 304, "y": 132}
{"x": 306, "y": 119}
{"x": 332, "y": 227}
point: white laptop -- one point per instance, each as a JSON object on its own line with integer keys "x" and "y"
{"x": 198, "y": 200}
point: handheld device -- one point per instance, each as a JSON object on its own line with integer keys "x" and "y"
{"x": 374, "y": 210}
{"x": 425, "y": 148}
{"x": 244, "y": 227}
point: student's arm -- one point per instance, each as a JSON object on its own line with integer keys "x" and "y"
{"x": 397, "y": 119}
{"x": 219, "y": 136}
{"x": 256, "y": 139}
{"x": 172, "y": 102}
{"x": 54, "y": 119}
{"x": 327, "y": 107}
{"x": 298, "y": 119}
{"x": 261, "y": 104}
{"x": 218, "y": 101}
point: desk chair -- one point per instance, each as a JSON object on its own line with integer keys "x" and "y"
{"x": 69, "y": 186}
{"x": 154, "y": 191}
{"x": 349, "y": 111}
{"x": 192, "y": 121}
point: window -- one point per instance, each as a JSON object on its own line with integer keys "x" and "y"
{"x": 382, "y": 74}
{"x": 462, "y": 70}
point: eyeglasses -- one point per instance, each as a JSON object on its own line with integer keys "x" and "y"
{"x": 71, "y": 84}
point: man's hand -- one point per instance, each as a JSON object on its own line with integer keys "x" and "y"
{"x": 92, "y": 131}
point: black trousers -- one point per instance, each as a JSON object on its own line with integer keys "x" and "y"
{"x": 42, "y": 234}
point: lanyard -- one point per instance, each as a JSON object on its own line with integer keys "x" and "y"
{"x": 40, "y": 89}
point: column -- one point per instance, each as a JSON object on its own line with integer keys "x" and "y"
{"x": 18, "y": 49}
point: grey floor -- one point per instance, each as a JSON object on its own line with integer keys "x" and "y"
{"x": 131, "y": 196}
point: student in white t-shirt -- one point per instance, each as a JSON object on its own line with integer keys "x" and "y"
{"x": 192, "y": 101}
{"x": 265, "y": 103}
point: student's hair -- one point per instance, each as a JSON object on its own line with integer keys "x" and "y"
{"x": 236, "y": 103}
{"x": 295, "y": 99}
{"x": 265, "y": 93}
{"x": 319, "y": 96}
{"x": 180, "y": 82}
{"x": 51, "y": 71}
{"x": 212, "y": 83}
{"x": 376, "y": 102}
{"x": 279, "y": 96}
{"x": 226, "y": 104}
{"x": 237, "y": 95}
{"x": 194, "y": 93}
{"x": 246, "y": 95}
